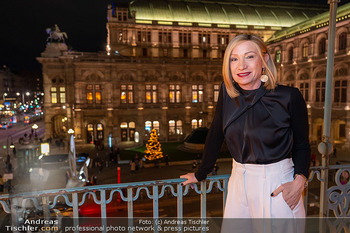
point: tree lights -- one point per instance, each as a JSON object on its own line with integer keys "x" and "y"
{"x": 154, "y": 150}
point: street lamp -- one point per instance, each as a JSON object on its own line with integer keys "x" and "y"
{"x": 4, "y": 99}
{"x": 34, "y": 127}
{"x": 70, "y": 131}
{"x": 12, "y": 146}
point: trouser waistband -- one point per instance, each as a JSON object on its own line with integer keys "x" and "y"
{"x": 263, "y": 169}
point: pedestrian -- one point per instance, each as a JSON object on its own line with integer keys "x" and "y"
{"x": 265, "y": 126}
{"x": 132, "y": 167}
{"x": 14, "y": 151}
{"x": 137, "y": 162}
{"x": 334, "y": 152}
{"x": 344, "y": 177}
{"x": 198, "y": 159}
{"x": 117, "y": 154}
{"x": 142, "y": 161}
{"x": 194, "y": 165}
{"x": 100, "y": 166}
{"x": 313, "y": 159}
{"x": 110, "y": 154}
{"x": 215, "y": 169}
{"x": 1, "y": 184}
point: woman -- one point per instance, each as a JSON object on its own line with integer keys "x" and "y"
{"x": 265, "y": 126}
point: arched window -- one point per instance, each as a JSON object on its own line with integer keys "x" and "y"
{"x": 99, "y": 128}
{"x": 179, "y": 127}
{"x": 124, "y": 131}
{"x": 90, "y": 133}
{"x": 175, "y": 127}
{"x": 305, "y": 50}
{"x": 95, "y": 132}
{"x": 342, "y": 41}
{"x": 340, "y": 91}
{"x": 127, "y": 131}
{"x": 196, "y": 123}
{"x": 304, "y": 88}
{"x": 278, "y": 56}
{"x": 132, "y": 131}
{"x": 290, "y": 54}
{"x": 149, "y": 125}
{"x": 322, "y": 46}
{"x": 171, "y": 127}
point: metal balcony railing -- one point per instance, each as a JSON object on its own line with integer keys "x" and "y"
{"x": 16, "y": 204}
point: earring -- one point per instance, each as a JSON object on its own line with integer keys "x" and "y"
{"x": 264, "y": 77}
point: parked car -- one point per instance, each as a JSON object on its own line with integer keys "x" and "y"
{"x": 4, "y": 125}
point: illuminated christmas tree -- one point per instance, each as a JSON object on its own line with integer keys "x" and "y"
{"x": 154, "y": 150}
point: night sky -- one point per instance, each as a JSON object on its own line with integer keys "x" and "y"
{"x": 23, "y": 24}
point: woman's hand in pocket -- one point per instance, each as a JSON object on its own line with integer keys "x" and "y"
{"x": 291, "y": 191}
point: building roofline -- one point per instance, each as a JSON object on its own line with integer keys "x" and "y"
{"x": 314, "y": 23}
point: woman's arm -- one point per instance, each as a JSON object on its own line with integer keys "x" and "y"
{"x": 212, "y": 146}
{"x": 301, "y": 152}
{"x": 292, "y": 191}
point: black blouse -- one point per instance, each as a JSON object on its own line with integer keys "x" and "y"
{"x": 260, "y": 127}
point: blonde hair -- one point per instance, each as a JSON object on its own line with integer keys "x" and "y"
{"x": 270, "y": 68}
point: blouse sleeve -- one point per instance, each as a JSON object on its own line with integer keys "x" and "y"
{"x": 213, "y": 141}
{"x": 299, "y": 122}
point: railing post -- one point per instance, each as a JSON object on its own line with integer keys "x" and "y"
{"x": 103, "y": 211}
{"x": 203, "y": 199}
{"x": 325, "y": 147}
{"x": 203, "y": 202}
{"x": 130, "y": 210}
{"x": 45, "y": 201}
{"x": 14, "y": 213}
{"x": 225, "y": 194}
{"x": 155, "y": 207}
{"x": 180, "y": 205}
{"x": 75, "y": 211}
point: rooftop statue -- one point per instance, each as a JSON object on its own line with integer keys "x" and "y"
{"x": 55, "y": 34}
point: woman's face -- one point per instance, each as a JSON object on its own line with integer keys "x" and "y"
{"x": 246, "y": 65}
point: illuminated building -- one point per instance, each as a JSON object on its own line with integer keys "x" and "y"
{"x": 300, "y": 53}
{"x": 161, "y": 68}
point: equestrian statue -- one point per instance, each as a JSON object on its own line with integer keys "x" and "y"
{"x": 55, "y": 34}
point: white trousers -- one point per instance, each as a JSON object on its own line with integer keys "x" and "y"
{"x": 249, "y": 194}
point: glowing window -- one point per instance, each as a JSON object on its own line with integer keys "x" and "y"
{"x": 132, "y": 125}
{"x": 179, "y": 127}
{"x": 89, "y": 97}
{"x": 98, "y": 97}
{"x": 62, "y": 95}
{"x": 305, "y": 50}
{"x": 216, "y": 92}
{"x": 278, "y": 56}
{"x": 148, "y": 126}
{"x": 53, "y": 95}
{"x": 194, "y": 124}
{"x": 172, "y": 127}
{"x": 124, "y": 125}
{"x": 90, "y": 127}
{"x": 99, "y": 127}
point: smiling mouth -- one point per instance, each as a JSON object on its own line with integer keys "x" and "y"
{"x": 242, "y": 75}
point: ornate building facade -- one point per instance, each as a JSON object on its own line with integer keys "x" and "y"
{"x": 300, "y": 53}
{"x": 162, "y": 67}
